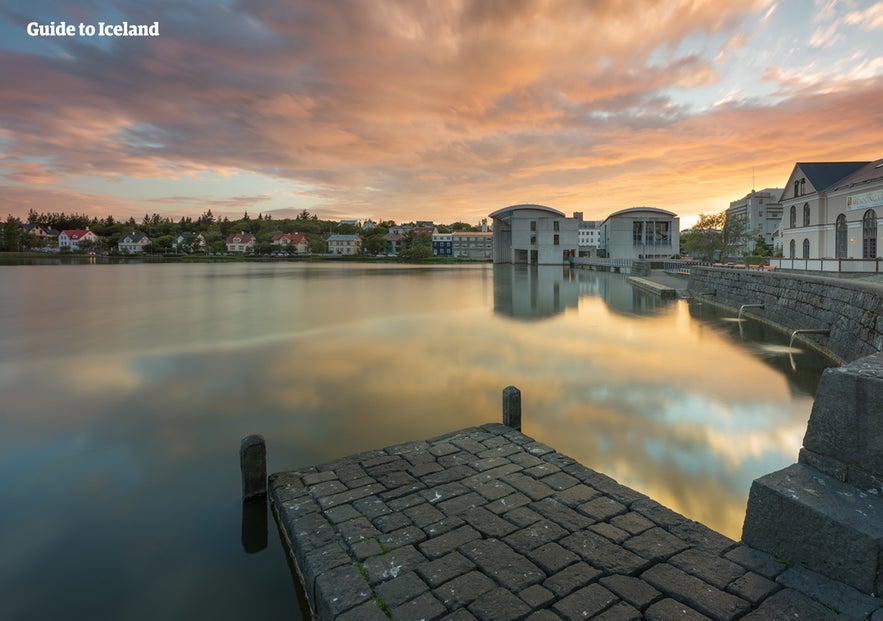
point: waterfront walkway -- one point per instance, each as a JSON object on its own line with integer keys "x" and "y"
{"x": 487, "y": 524}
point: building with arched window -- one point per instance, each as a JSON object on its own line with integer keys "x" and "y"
{"x": 533, "y": 235}
{"x": 832, "y": 210}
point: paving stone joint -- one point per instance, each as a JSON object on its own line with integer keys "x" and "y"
{"x": 487, "y": 524}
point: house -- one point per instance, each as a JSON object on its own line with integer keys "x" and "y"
{"x": 472, "y": 244}
{"x": 640, "y": 233}
{"x": 424, "y": 230}
{"x": 188, "y": 242}
{"x": 532, "y": 234}
{"x": 391, "y": 243}
{"x": 46, "y": 235}
{"x": 72, "y": 238}
{"x": 133, "y": 243}
{"x": 832, "y": 210}
{"x": 292, "y": 242}
{"x": 240, "y": 242}
{"x": 345, "y": 244}
{"x": 442, "y": 244}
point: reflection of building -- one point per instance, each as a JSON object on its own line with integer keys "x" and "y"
{"x": 533, "y": 235}
{"x": 533, "y": 292}
{"x": 762, "y": 213}
{"x": 640, "y": 233}
{"x": 833, "y": 210}
{"x": 619, "y": 296}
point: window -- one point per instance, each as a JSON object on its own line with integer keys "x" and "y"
{"x": 533, "y": 240}
{"x": 555, "y": 225}
{"x": 637, "y": 233}
{"x": 806, "y": 214}
{"x": 555, "y": 239}
{"x": 533, "y": 225}
{"x": 869, "y": 235}
{"x": 805, "y": 248}
{"x": 793, "y": 216}
{"x": 796, "y": 187}
{"x": 793, "y": 249}
{"x": 840, "y": 237}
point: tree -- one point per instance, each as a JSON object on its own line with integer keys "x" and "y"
{"x": 416, "y": 246}
{"x": 715, "y": 236}
{"x": 11, "y": 234}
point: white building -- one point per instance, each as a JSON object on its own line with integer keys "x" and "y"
{"x": 533, "y": 235}
{"x": 72, "y": 238}
{"x": 133, "y": 243}
{"x": 472, "y": 245}
{"x": 762, "y": 213}
{"x": 345, "y": 244}
{"x": 833, "y": 210}
{"x": 640, "y": 233}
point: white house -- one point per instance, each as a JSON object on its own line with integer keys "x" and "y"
{"x": 640, "y": 233}
{"x": 133, "y": 243}
{"x": 72, "y": 238}
{"x": 297, "y": 242}
{"x": 533, "y": 235}
{"x": 345, "y": 244}
{"x": 190, "y": 241}
{"x": 240, "y": 242}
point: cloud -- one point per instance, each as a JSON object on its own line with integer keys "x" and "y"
{"x": 404, "y": 110}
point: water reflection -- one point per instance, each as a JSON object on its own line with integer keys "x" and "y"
{"x": 124, "y": 409}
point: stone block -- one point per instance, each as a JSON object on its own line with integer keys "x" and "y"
{"x": 696, "y": 593}
{"x": 806, "y": 517}
{"x": 585, "y": 603}
{"x": 846, "y": 423}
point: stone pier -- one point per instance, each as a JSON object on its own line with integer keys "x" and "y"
{"x": 487, "y": 524}
{"x": 826, "y": 511}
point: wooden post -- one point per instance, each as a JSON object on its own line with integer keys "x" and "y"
{"x": 253, "y": 464}
{"x": 512, "y": 407}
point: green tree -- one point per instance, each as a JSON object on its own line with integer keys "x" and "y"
{"x": 715, "y": 236}
{"x": 416, "y": 246}
{"x": 11, "y": 234}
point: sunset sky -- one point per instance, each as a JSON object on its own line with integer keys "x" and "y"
{"x": 439, "y": 110}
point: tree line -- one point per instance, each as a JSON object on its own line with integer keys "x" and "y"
{"x": 162, "y": 230}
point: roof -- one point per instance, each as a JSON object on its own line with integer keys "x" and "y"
{"x": 339, "y": 237}
{"x": 824, "y": 175}
{"x": 422, "y": 230}
{"x": 393, "y": 237}
{"x": 634, "y": 210}
{"x": 76, "y": 233}
{"x": 244, "y": 238}
{"x": 872, "y": 171}
{"x": 474, "y": 233}
{"x": 508, "y": 211}
{"x": 294, "y": 238}
{"x": 133, "y": 238}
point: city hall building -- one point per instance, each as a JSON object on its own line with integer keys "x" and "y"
{"x": 533, "y": 235}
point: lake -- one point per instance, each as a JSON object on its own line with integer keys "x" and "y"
{"x": 126, "y": 390}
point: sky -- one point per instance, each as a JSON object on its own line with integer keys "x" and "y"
{"x": 442, "y": 110}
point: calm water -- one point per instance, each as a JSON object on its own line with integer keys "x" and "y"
{"x": 126, "y": 390}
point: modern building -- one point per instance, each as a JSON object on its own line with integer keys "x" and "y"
{"x": 832, "y": 210}
{"x": 588, "y": 236}
{"x": 640, "y": 233}
{"x": 533, "y": 235}
{"x": 477, "y": 245}
{"x": 762, "y": 213}
{"x": 345, "y": 244}
{"x": 133, "y": 243}
{"x": 442, "y": 244}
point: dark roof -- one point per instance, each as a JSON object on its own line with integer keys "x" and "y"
{"x": 871, "y": 171}
{"x": 823, "y": 175}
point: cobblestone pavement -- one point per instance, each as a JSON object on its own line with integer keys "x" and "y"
{"x": 487, "y": 524}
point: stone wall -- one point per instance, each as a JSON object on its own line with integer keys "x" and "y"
{"x": 851, "y": 310}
